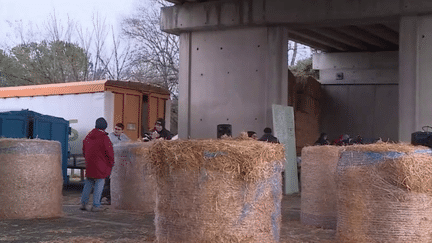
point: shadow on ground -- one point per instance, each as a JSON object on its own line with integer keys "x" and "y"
{"x": 129, "y": 227}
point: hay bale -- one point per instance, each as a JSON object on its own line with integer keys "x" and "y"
{"x": 31, "y": 179}
{"x": 133, "y": 183}
{"x": 385, "y": 193}
{"x": 218, "y": 190}
{"x": 319, "y": 194}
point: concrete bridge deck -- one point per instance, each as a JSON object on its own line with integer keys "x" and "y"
{"x": 129, "y": 227}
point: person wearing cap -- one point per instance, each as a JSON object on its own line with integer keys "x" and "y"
{"x": 99, "y": 157}
{"x": 268, "y": 136}
{"x": 160, "y": 131}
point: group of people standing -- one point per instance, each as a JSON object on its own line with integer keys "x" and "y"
{"x": 268, "y": 136}
{"x": 99, "y": 156}
{"x": 343, "y": 140}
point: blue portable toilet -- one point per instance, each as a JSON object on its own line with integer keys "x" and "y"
{"x": 29, "y": 124}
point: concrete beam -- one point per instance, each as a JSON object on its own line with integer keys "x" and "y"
{"x": 393, "y": 26}
{"x": 310, "y": 43}
{"x": 330, "y": 33}
{"x": 357, "y": 61}
{"x": 382, "y": 31}
{"x": 194, "y": 16}
{"x": 360, "y": 34}
{"x": 316, "y": 37}
{"x": 373, "y": 76}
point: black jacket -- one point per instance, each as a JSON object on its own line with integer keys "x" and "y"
{"x": 165, "y": 134}
{"x": 268, "y": 137}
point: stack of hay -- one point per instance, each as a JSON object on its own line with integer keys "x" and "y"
{"x": 385, "y": 194}
{"x": 31, "y": 179}
{"x": 318, "y": 194}
{"x": 133, "y": 183}
{"x": 218, "y": 190}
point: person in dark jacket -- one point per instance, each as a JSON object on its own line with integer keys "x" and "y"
{"x": 160, "y": 131}
{"x": 268, "y": 136}
{"x": 323, "y": 139}
{"x": 99, "y": 156}
{"x": 252, "y": 135}
{"x": 343, "y": 140}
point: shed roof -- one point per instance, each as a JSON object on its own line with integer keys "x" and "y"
{"x": 77, "y": 88}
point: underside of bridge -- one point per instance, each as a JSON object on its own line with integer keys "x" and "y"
{"x": 236, "y": 49}
{"x": 328, "y": 34}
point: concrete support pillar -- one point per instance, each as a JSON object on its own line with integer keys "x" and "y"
{"x": 184, "y": 112}
{"x": 415, "y": 87}
{"x": 231, "y": 77}
{"x": 277, "y": 73}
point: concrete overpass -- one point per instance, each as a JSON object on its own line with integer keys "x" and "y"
{"x": 233, "y": 60}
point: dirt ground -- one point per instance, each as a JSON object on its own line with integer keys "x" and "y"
{"x": 129, "y": 227}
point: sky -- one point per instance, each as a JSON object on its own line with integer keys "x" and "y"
{"x": 33, "y": 13}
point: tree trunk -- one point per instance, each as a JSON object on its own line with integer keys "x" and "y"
{"x": 294, "y": 54}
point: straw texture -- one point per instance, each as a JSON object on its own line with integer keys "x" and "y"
{"x": 133, "y": 182}
{"x": 30, "y": 179}
{"x": 319, "y": 194}
{"x": 218, "y": 190}
{"x": 385, "y": 194}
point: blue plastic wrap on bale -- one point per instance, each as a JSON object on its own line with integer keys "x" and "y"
{"x": 176, "y": 219}
{"x": 377, "y": 201}
{"x": 30, "y": 124}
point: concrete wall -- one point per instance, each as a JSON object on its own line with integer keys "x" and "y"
{"x": 368, "y": 110}
{"x": 365, "y": 100}
{"x": 220, "y": 91}
{"x": 82, "y": 109}
{"x": 231, "y": 77}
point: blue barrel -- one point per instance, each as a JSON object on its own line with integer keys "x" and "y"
{"x": 30, "y": 124}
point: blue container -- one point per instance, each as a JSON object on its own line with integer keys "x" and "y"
{"x": 29, "y": 124}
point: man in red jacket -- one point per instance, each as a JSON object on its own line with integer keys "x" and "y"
{"x": 99, "y": 156}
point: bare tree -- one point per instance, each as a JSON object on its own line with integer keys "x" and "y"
{"x": 99, "y": 70}
{"x": 118, "y": 64}
{"x": 297, "y": 52}
{"x": 156, "y": 53}
{"x": 294, "y": 53}
{"x": 56, "y": 31}
{"x": 24, "y": 33}
{"x": 107, "y": 60}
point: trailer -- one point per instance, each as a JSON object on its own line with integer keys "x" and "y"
{"x": 136, "y": 105}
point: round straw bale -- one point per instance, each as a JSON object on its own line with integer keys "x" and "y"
{"x": 133, "y": 182}
{"x": 318, "y": 194}
{"x": 385, "y": 194}
{"x": 31, "y": 179}
{"x": 224, "y": 190}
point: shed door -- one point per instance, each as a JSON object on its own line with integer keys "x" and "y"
{"x": 118, "y": 108}
{"x": 153, "y": 111}
{"x": 132, "y": 115}
{"x": 156, "y": 109}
